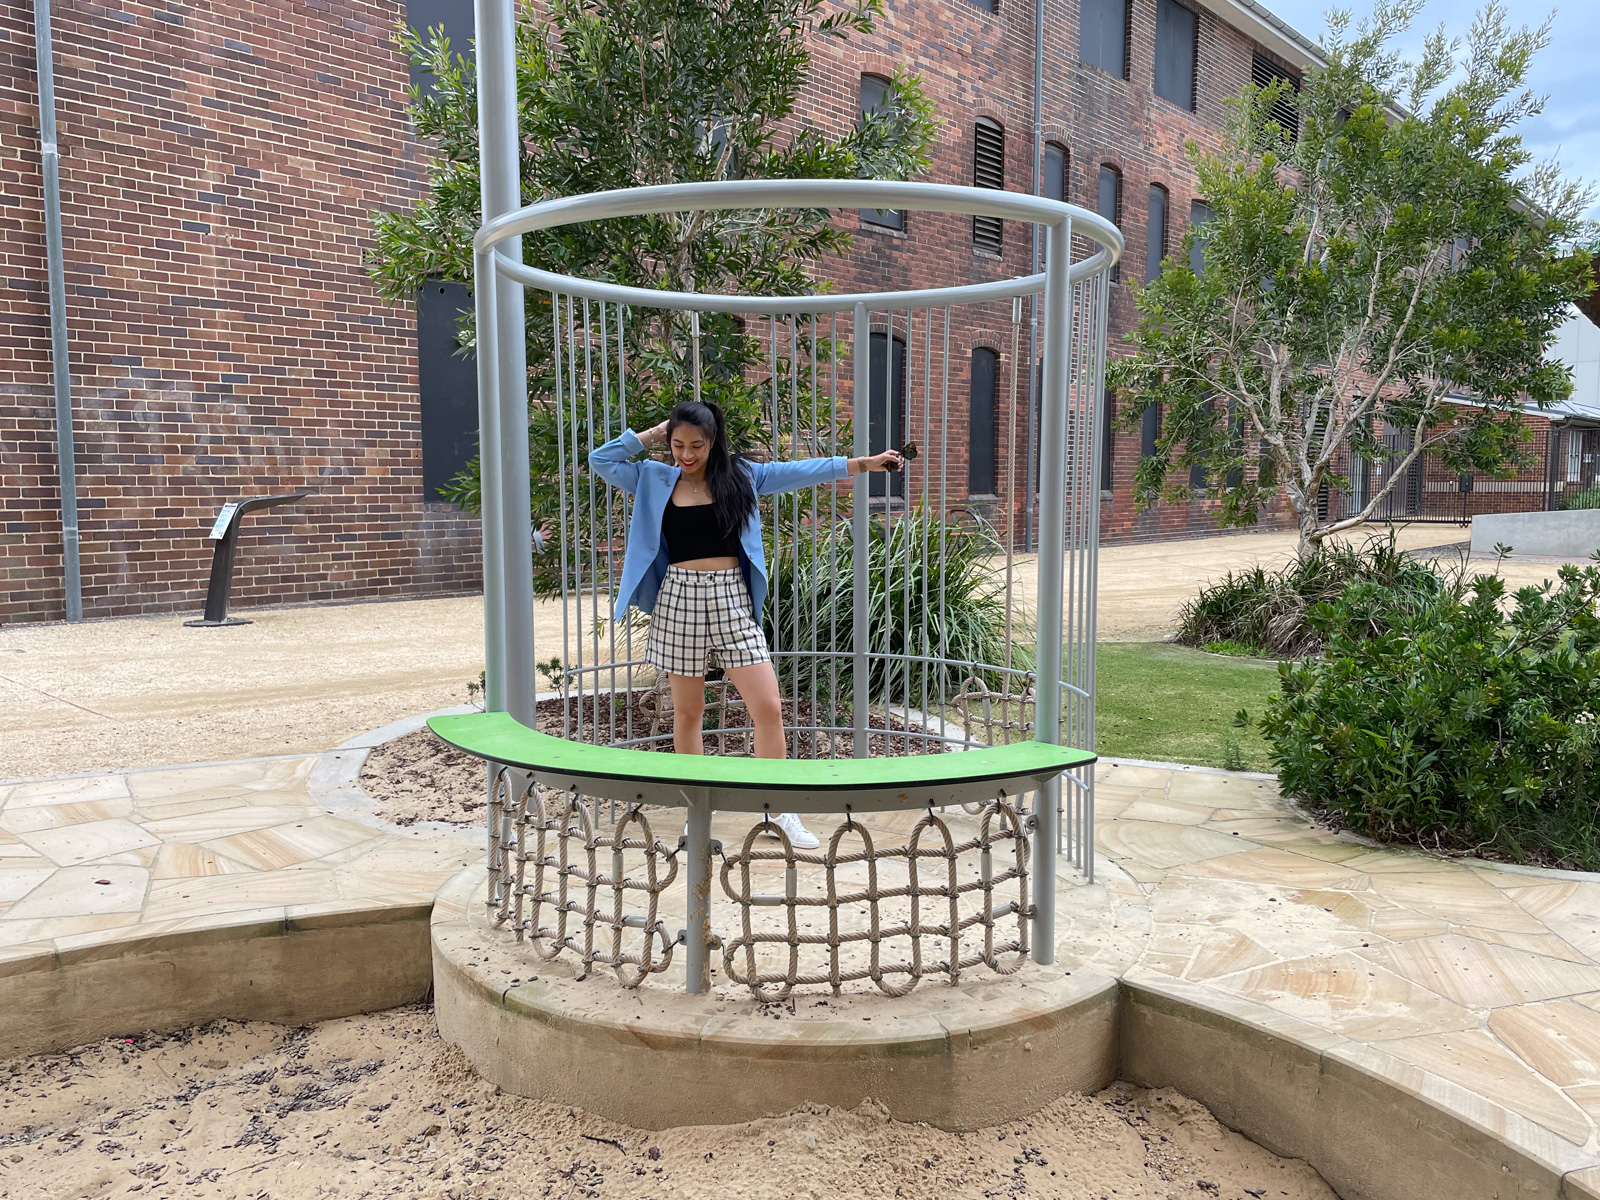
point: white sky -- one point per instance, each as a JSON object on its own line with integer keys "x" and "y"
{"x": 1569, "y": 127}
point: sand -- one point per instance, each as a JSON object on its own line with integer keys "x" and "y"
{"x": 379, "y": 1106}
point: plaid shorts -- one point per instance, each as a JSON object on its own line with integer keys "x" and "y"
{"x": 703, "y": 618}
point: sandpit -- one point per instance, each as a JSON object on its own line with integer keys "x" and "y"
{"x": 380, "y": 1106}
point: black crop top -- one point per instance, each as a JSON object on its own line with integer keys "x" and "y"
{"x": 692, "y": 531}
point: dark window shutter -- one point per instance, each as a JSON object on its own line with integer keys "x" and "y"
{"x": 1155, "y": 233}
{"x": 447, "y": 384}
{"x": 981, "y": 422}
{"x": 875, "y": 91}
{"x": 1103, "y": 35}
{"x": 988, "y": 171}
{"x": 1199, "y": 213}
{"x": 1111, "y": 202}
{"x": 1177, "y": 33}
{"x": 1262, "y": 73}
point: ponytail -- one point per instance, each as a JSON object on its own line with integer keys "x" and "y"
{"x": 733, "y": 496}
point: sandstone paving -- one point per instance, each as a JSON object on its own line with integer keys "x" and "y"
{"x": 1482, "y": 976}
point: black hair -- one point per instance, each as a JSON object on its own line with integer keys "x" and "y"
{"x": 732, "y": 493}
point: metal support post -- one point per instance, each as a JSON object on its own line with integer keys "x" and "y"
{"x": 60, "y": 364}
{"x": 503, "y": 444}
{"x": 697, "y": 916}
{"x": 860, "y": 419}
{"x": 1052, "y": 551}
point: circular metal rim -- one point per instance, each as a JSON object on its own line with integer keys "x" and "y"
{"x": 797, "y": 193}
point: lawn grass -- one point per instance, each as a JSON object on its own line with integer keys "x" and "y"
{"x": 1173, "y": 704}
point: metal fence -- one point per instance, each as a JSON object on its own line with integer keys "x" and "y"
{"x": 1431, "y": 493}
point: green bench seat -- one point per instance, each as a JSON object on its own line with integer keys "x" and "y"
{"x": 756, "y": 784}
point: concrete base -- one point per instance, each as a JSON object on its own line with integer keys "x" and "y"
{"x": 959, "y": 1058}
{"x": 1574, "y": 535}
{"x": 294, "y": 971}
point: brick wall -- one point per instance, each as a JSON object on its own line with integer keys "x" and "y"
{"x": 975, "y": 63}
{"x": 220, "y": 167}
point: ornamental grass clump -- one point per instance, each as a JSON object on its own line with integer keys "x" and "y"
{"x": 1452, "y": 720}
{"x": 1266, "y": 611}
{"x": 932, "y": 593}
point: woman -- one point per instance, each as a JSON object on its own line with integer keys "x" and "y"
{"x": 695, "y": 564}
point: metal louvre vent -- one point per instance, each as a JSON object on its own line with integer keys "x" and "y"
{"x": 1262, "y": 74}
{"x": 988, "y": 171}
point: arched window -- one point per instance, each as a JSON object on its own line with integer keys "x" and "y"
{"x": 875, "y": 95}
{"x": 1155, "y": 232}
{"x": 981, "y": 422}
{"x": 1053, "y": 180}
{"x": 886, "y": 410}
{"x": 1111, "y": 201}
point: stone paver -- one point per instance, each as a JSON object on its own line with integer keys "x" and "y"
{"x": 1487, "y": 978}
{"x": 102, "y": 860}
{"x": 1482, "y": 976}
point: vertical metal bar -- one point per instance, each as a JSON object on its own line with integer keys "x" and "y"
{"x": 1102, "y": 286}
{"x": 944, "y": 503}
{"x": 611, "y": 494}
{"x": 500, "y": 154}
{"x": 561, "y": 475}
{"x": 813, "y": 662}
{"x": 861, "y": 405}
{"x": 1052, "y": 545}
{"x": 593, "y": 582}
{"x": 1033, "y": 323}
{"x": 927, "y": 529}
{"x": 697, "y": 916}
{"x": 60, "y": 363}
{"x": 833, "y": 527}
{"x": 484, "y": 292}
{"x": 627, "y": 501}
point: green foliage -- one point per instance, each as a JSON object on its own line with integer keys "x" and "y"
{"x": 1267, "y": 612}
{"x": 623, "y": 93}
{"x": 1234, "y": 649}
{"x": 1459, "y": 725}
{"x": 1584, "y": 498}
{"x": 1401, "y": 248}
{"x": 905, "y": 599}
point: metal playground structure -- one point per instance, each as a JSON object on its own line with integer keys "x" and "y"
{"x": 888, "y": 708}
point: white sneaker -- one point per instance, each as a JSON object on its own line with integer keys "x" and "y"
{"x": 800, "y": 837}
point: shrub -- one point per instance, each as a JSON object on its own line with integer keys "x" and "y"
{"x": 1266, "y": 610}
{"x": 1234, "y": 649}
{"x": 956, "y": 578}
{"x": 1588, "y": 497}
{"x": 1447, "y": 721}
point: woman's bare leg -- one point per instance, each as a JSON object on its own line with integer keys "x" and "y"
{"x": 689, "y": 712}
{"x": 758, "y": 688}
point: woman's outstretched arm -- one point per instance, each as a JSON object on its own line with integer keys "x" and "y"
{"x": 808, "y": 472}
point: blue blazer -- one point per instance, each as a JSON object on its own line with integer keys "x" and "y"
{"x": 644, "y": 562}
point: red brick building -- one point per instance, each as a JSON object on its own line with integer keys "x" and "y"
{"x": 221, "y": 163}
